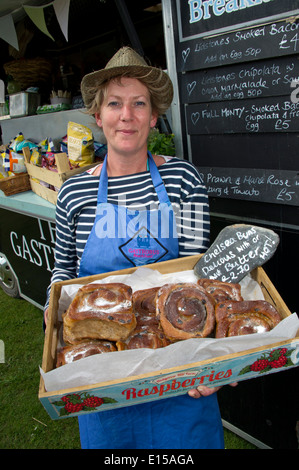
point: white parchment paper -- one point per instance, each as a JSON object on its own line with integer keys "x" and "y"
{"x": 119, "y": 365}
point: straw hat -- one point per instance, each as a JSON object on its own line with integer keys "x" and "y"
{"x": 127, "y": 60}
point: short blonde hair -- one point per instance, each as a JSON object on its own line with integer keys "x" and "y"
{"x": 156, "y": 92}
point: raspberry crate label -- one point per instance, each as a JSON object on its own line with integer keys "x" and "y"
{"x": 172, "y": 383}
{"x": 76, "y": 402}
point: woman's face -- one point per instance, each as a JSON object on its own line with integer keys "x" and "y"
{"x": 126, "y": 116}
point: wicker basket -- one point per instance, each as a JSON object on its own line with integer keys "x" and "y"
{"x": 28, "y": 72}
{"x": 15, "y": 184}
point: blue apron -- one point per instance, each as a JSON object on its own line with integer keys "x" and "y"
{"x": 130, "y": 239}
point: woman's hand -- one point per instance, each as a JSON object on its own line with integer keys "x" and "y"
{"x": 202, "y": 391}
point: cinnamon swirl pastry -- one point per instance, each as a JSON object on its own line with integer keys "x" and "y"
{"x": 185, "y": 310}
{"x": 144, "y": 336}
{"x": 99, "y": 311}
{"x": 245, "y": 317}
{"x": 144, "y": 306}
{"x": 69, "y": 354}
{"x": 220, "y": 290}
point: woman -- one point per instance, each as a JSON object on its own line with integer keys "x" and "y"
{"x": 103, "y": 215}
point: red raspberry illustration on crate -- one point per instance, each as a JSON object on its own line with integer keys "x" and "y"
{"x": 267, "y": 362}
{"x": 73, "y": 403}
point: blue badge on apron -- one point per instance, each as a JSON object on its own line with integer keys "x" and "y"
{"x": 143, "y": 248}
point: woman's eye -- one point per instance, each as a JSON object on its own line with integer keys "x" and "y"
{"x": 113, "y": 103}
{"x": 117, "y": 104}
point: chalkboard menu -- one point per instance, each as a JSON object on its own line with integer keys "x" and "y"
{"x": 237, "y": 68}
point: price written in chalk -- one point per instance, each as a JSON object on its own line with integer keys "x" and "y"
{"x": 264, "y": 115}
{"x": 261, "y": 42}
{"x": 236, "y": 251}
{"x": 274, "y": 186}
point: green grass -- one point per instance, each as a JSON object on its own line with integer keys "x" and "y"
{"x": 24, "y": 423}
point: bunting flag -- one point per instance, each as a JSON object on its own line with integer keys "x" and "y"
{"x": 8, "y": 32}
{"x": 61, "y": 8}
{"x": 37, "y": 16}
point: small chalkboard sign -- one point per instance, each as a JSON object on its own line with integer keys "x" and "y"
{"x": 237, "y": 250}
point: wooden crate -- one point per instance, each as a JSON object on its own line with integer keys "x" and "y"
{"x": 163, "y": 383}
{"x": 15, "y": 184}
{"x": 52, "y": 178}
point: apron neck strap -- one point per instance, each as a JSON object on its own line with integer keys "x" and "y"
{"x": 155, "y": 175}
{"x": 103, "y": 183}
{"x": 157, "y": 181}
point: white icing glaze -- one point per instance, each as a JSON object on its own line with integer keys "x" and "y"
{"x": 102, "y": 304}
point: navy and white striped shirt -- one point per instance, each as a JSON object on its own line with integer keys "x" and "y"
{"x": 77, "y": 202}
